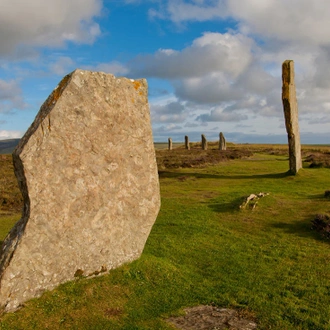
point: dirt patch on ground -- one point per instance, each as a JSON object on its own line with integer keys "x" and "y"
{"x": 213, "y": 318}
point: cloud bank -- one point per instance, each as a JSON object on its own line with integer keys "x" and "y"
{"x": 226, "y": 79}
{"x": 235, "y": 76}
{"x": 38, "y": 23}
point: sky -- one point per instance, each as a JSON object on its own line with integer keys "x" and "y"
{"x": 212, "y": 65}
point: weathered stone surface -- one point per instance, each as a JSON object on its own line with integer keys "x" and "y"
{"x": 204, "y": 142}
{"x": 88, "y": 174}
{"x": 170, "y": 144}
{"x": 290, "y": 107}
{"x": 222, "y": 142}
{"x": 186, "y": 142}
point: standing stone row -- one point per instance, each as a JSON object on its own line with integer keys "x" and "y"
{"x": 222, "y": 142}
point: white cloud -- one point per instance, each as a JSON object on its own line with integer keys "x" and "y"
{"x": 10, "y": 134}
{"x": 240, "y": 71}
{"x": 216, "y": 69}
{"x": 171, "y": 112}
{"x": 62, "y": 66}
{"x": 295, "y": 20}
{"x": 47, "y": 23}
{"x": 217, "y": 78}
{"x": 191, "y": 125}
{"x": 209, "y": 89}
{"x": 322, "y": 68}
{"x": 10, "y": 96}
{"x": 325, "y": 120}
{"x": 114, "y": 68}
{"x": 218, "y": 114}
{"x": 167, "y": 128}
{"x": 231, "y": 77}
{"x": 257, "y": 80}
{"x": 179, "y": 10}
{"x": 228, "y": 53}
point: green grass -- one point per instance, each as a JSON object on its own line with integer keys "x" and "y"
{"x": 204, "y": 250}
{"x": 164, "y": 145}
{"x": 10, "y": 195}
{"x": 6, "y": 223}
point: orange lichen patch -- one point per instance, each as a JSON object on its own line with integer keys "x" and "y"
{"x": 132, "y": 100}
{"x": 136, "y": 84}
{"x": 49, "y": 126}
{"x": 287, "y": 75}
{"x": 57, "y": 92}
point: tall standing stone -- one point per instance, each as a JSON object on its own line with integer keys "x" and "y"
{"x": 222, "y": 142}
{"x": 88, "y": 174}
{"x": 170, "y": 144}
{"x": 290, "y": 107}
{"x": 186, "y": 142}
{"x": 204, "y": 142}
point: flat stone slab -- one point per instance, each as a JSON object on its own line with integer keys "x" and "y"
{"x": 88, "y": 174}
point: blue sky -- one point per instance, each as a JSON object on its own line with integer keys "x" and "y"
{"x": 212, "y": 65}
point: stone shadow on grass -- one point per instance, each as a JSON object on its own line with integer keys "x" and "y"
{"x": 302, "y": 228}
{"x": 319, "y": 197}
{"x": 227, "y": 207}
{"x": 170, "y": 174}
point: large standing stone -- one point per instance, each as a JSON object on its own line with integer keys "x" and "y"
{"x": 170, "y": 144}
{"x": 186, "y": 142}
{"x": 204, "y": 142}
{"x": 222, "y": 142}
{"x": 88, "y": 174}
{"x": 290, "y": 107}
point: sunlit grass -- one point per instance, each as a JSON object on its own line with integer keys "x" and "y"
{"x": 204, "y": 250}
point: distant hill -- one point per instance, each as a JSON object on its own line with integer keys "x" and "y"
{"x": 8, "y": 146}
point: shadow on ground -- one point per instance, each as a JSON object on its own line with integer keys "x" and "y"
{"x": 169, "y": 174}
{"x": 227, "y": 207}
{"x": 302, "y": 228}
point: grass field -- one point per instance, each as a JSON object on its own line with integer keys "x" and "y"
{"x": 163, "y": 145}
{"x": 204, "y": 249}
